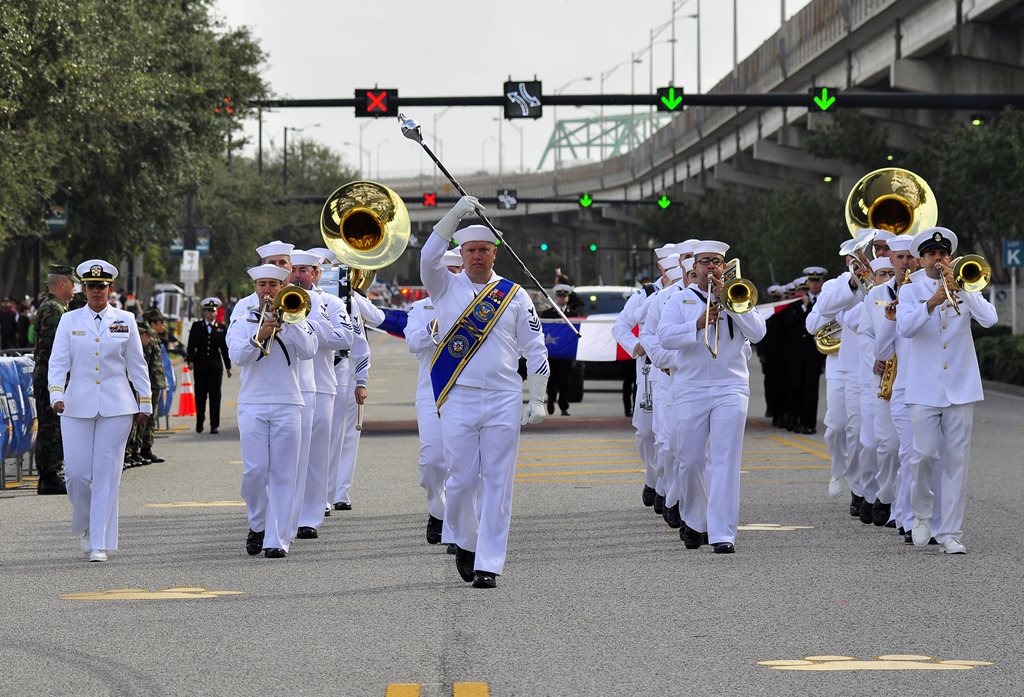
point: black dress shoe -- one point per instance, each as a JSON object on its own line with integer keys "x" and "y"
{"x": 908, "y": 538}
{"x": 855, "y": 502}
{"x": 199, "y": 428}
{"x": 451, "y": 549}
{"x": 659, "y": 504}
{"x": 565, "y": 412}
{"x": 776, "y": 422}
{"x": 866, "y": 512}
{"x": 214, "y": 430}
{"x": 342, "y": 506}
{"x": 327, "y": 512}
{"x": 307, "y": 533}
{"x": 274, "y": 553}
{"x": 647, "y": 496}
{"x": 891, "y": 524}
{"x": 880, "y": 513}
{"x": 551, "y": 408}
{"x": 692, "y": 539}
{"x": 148, "y": 454}
{"x": 672, "y": 516}
{"x": 464, "y": 563}
{"x": 724, "y": 548}
{"x": 434, "y": 530}
{"x": 51, "y": 487}
{"x": 805, "y": 430}
{"x": 901, "y": 531}
{"x": 485, "y": 579}
{"x": 254, "y": 542}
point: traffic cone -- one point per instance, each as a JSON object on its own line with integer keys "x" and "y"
{"x": 187, "y": 398}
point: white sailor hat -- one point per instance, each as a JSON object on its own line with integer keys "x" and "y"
{"x": 561, "y": 288}
{"x": 475, "y": 233}
{"x": 932, "y": 238}
{"x": 686, "y": 247}
{"x": 268, "y": 271}
{"x": 96, "y": 271}
{"x": 668, "y": 261}
{"x": 301, "y": 257}
{"x": 815, "y": 273}
{"x": 329, "y": 256}
{"x": 665, "y": 249}
{"x": 674, "y": 273}
{"x": 882, "y": 236}
{"x": 880, "y": 263}
{"x": 211, "y": 302}
{"x": 900, "y": 243}
{"x": 275, "y": 248}
{"x": 453, "y": 257}
{"x": 709, "y": 247}
{"x": 687, "y": 264}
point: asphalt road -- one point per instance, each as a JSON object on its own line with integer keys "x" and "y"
{"x": 599, "y": 596}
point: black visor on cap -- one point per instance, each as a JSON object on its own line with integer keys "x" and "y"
{"x": 940, "y": 243}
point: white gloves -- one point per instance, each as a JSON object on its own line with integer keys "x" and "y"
{"x": 464, "y": 206}
{"x": 533, "y": 411}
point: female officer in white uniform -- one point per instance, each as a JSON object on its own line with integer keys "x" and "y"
{"x": 96, "y": 352}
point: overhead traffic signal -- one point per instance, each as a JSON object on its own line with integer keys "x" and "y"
{"x": 593, "y": 247}
{"x": 379, "y": 101}
{"x": 543, "y": 246}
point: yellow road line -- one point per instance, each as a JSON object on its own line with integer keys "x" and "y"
{"x": 787, "y": 467}
{"x": 470, "y": 689}
{"x": 576, "y": 448}
{"x": 540, "y": 444}
{"x": 809, "y": 441}
{"x": 589, "y": 462}
{"x": 800, "y": 446}
{"x": 402, "y": 689}
{"x": 581, "y": 480}
{"x": 532, "y": 475}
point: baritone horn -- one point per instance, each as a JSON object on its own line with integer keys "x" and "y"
{"x": 290, "y": 305}
{"x": 367, "y": 226}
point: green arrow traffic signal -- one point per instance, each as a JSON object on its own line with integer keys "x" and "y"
{"x": 585, "y": 200}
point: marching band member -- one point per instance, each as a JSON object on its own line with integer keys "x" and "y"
{"x": 625, "y": 332}
{"x": 714, "y": 394}
{"x": 421, "y": 337}
{"x": 486, "y": 322}
{"x": 943, "y": 385}
{"x": 330, "y": 323}
{"x": 208, "y": 359}
{"x": 269, "y": 410}
{"x": 96, "y": 351}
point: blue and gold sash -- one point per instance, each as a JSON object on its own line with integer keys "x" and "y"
{"x": 461, "y": 342}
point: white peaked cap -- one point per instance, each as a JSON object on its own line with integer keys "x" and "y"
{"x": 211, "y": 302}
{"x": 329, "y": 256}
{"x": 668, "y": 261}
{"x": 928, "y": 237}
{"x": 687, "y": 264}
{"x": 96, "y": 271}
{"x": 710, "y": 246}
{"x": 268, "y": 271}
{"x": 453, "y": 257}
{"x": 880, "y": 263}
{"x": 301, "y": 257}
{"x": 816, "y": 271}
{"x": 275, "y": 248}
{"x": 776, "y": 289}
{"x": 900, "y": 243}
{"x": 475, "y": 233}
{"x": 664, "y": 250}
{"x": 674, "y": 273}
{"x": 561, "y": 288}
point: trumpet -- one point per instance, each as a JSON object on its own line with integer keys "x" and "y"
{"x": 971, "y": 273}
{"x": 290, "y": 305}
{"x": 738, "y": 296}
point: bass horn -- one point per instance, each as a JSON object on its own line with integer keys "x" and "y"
{"x": 367, "y": 226}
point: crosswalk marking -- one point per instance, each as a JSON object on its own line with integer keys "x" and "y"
{"x": 402, "y": 689}
{"x": 470, "y": 689}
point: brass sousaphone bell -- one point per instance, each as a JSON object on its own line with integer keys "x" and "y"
{"x": 367, "y": 226}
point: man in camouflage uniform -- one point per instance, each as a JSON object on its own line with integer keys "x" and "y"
{"x": 139, "y": 450}
{"x": 49, "y": 448}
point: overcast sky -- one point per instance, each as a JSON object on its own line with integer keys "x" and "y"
{"x": 328, "y": 48}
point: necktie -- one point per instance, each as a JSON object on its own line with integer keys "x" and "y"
{"x": 209, "y": 328}
{"x": 98, "y": 318}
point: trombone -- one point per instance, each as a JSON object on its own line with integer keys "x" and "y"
{"x": 738, "y": 296}
{"x": 971, "y": 273}
{"x": 290, "y": 306}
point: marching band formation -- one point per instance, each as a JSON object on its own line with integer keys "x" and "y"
{"x": 892, "y": 335}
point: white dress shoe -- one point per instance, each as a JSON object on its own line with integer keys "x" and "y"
{"x": 84, "y": 542}
{"x": 97, "y": 555}
{"x": 836, "y": 487}
{"x": 953, "y": 546}
{"x": 921, "y": 532}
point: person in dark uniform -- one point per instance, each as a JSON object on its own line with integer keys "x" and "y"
{"x": 561, "y": 368}
{"x": 49, "y": 454}
{"x": 208, "y": 359}
{"x": 771, "y": 351}
{"x": 804, "y": 362}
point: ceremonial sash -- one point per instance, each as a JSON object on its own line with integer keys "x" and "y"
{"x": 466, "y": 336}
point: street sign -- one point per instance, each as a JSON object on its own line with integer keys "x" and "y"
{"x": 190, "y": 266}
{"x": 57, "y": 208}
{"x": 507, "y": 199}
{"x": 523, "y": 99}
{"x": 1013, "y": 254}
{"x": 379, "y": 101}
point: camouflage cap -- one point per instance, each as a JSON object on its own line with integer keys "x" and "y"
{"x": 153, "y": 315}
{"x": 63, "y": 270}
{"x": 77, "y": 301}
{"x": 142, "y": 324}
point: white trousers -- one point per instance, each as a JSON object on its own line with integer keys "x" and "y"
{"x": 887, "y": 448}
{"x": 339, "y": 422}
{"x": 835, "y": 425}
{"x": 902, "y": 513}
{"x": 314, "y": 494}
{"x": 711, "y": 442}
{"x": 348, "y": 448}
{"x": 270, "y": 467}
{"x": 942, "y": 445}
{"x": 305, "y": 433}
{"x": 643, "y": 422}
{"x": 481, "y": 443}
{"x": 868, "y": 458}
{"x": 433, "y": 468}
{"x": 661, "y": 424}
{"x": 851, "y": 432}
{"x": 93, "y": 460}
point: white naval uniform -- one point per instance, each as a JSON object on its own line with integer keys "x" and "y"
{"x": 99, "y": 407}
{"x": 481, "y": 416}
{"x": 330, "y": 322}
{"x": 942, "y": 386}
{"x": 883, "y": 440}
{"x": 643, "y": 419}
{"x": 269, "y": 419}
{"x": 713, "y": 394}
{"x": 433, "y": 469}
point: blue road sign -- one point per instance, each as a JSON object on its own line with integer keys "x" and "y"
{"x": 1013, "y": 253}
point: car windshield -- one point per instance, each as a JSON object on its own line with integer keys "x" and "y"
{"x": 602, "y": 302}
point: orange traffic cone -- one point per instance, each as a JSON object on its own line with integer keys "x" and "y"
{"x": 187, "y": 398}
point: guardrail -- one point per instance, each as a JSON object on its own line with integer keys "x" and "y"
{"x": 17, "y": 440}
